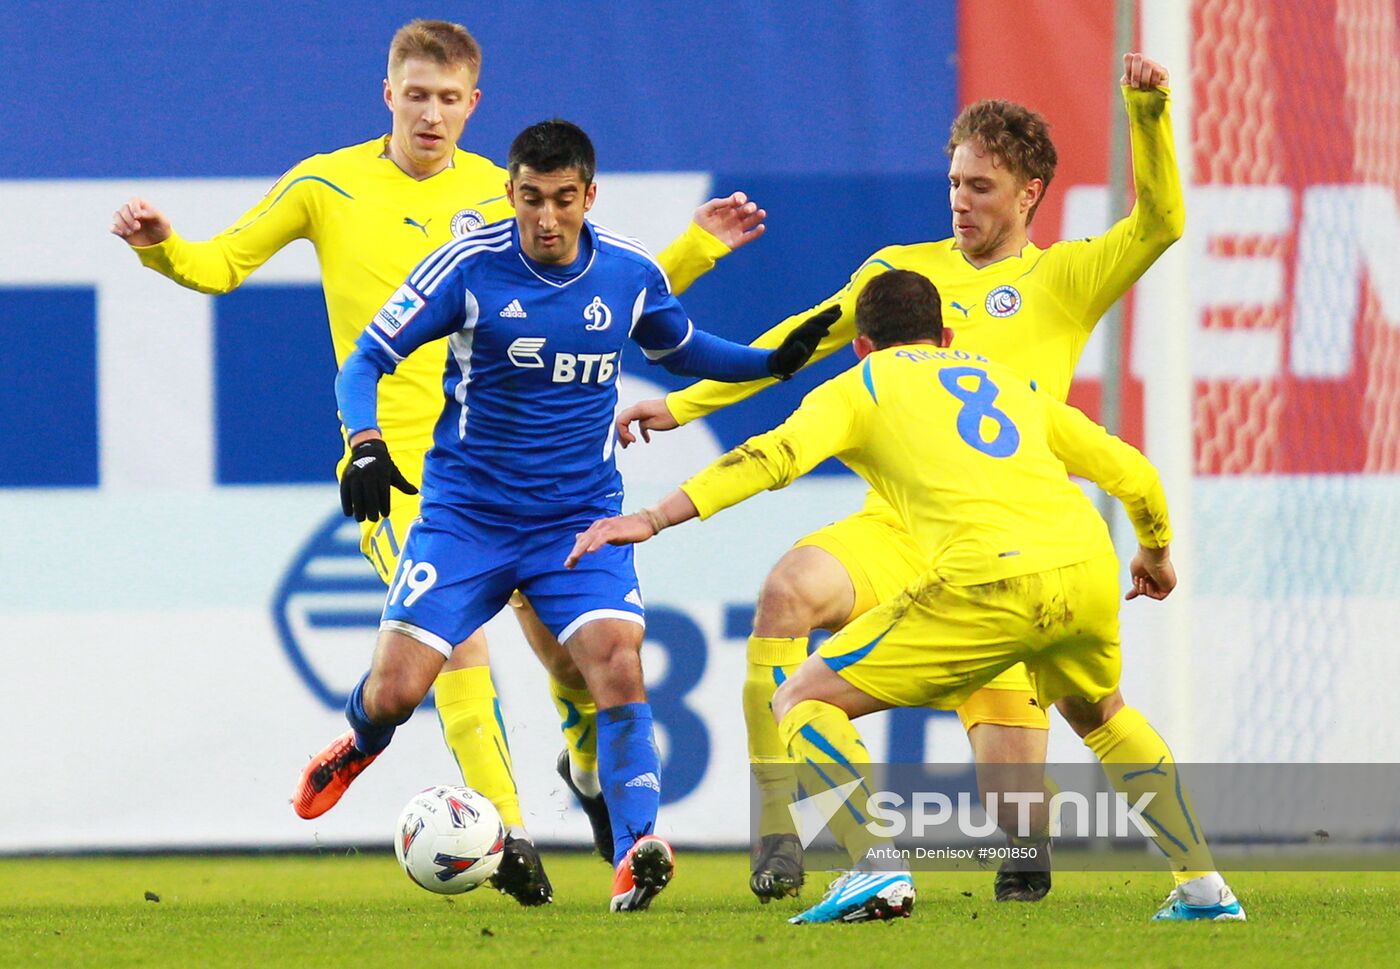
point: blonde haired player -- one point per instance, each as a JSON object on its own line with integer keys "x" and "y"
{"x": 1017, "y": 567}
{"x": 1029, "y": 308}
{"x": 373, "y": 211}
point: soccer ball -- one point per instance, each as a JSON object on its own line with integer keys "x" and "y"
{"x": 449, "y": 840}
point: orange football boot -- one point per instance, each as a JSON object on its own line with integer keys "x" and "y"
{"x": 646, "y": 869}
{"x": 328, "y": 775}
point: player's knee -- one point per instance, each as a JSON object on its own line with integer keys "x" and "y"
{"x": 622, "y": 665}
{"x": 784, "y": 699}
{"x": 787, "y": 604}
{"x": 614, "y": 674}
{"x": 391, "y": 699}
{"x": 1084, "y": 716}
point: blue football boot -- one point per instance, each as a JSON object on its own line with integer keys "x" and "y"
{"x": 1177, "y": 909}
{"x": 862, "y": 896}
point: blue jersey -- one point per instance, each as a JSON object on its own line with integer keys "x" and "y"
{"x": 534, "y": 357}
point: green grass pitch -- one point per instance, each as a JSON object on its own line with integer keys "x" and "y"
{"x": 339, "y": 910}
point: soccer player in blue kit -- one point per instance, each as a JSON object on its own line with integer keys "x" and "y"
{"x": 536, "y": 310}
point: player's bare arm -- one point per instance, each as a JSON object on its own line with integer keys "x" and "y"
{"x": 635, "y": 528}
{"x": 648, "y": 415}
{"x": 733, "y": 220}
{"x": 140, "y": 223}
{"x": 801, "y": 343}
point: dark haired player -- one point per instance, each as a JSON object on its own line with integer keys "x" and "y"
{"x": 535, "y": 311}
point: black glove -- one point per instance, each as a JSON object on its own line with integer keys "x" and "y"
{"x": 794, "y": 352}
{"x": 364, "y": 487}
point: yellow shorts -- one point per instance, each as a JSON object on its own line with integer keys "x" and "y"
{"x": 381, "y": 541}
{"x": 937, "y": 644}
{"x": 882, "y": 559}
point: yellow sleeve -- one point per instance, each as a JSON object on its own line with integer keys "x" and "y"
{"x": 707, "y": 396}
{"x": 223, "y": 262}
{"x": 825, "y": 424}
{"x": 1096, "y": 272}
{"x": 693, "y": 253}
{"x": 1117, "y": 467}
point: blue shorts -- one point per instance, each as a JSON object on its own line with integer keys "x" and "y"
{"x": 458, "y": 569}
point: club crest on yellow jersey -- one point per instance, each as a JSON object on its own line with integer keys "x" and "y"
{"x": 1003, "y": 301}
{"x": 467, "y": 220}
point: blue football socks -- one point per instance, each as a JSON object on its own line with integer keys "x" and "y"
{"x": 629, "y": 772}
{"x": 370, "y": 737}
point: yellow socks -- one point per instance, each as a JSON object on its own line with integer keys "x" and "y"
{"x": 471, "y": 724}
{"x": 578, "y": 721}
{"x": 770, "y": 662}
{"x": 1137, "y": 762}
{"x": 822, "y": 735}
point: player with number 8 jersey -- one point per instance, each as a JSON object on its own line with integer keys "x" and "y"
{"x": 1018, "y": 568}
{"x": 1029, "y": 308}
{"x": 919, "y": 423}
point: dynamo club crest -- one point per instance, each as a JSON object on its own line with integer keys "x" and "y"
{"x": 598, "y": 315}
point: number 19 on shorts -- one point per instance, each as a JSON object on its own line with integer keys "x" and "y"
{"x": 417, "y": 576}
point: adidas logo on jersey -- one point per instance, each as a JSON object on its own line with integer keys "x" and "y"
{"x": 514, "y": 311}
{"x": 648, "y": 780}
{"x": 634, "y": 597}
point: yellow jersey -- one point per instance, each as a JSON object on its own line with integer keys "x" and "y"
{"x": 970, "y": 456}
{"x": 371, "y": 224}
{"x": 1033, "y": 311}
